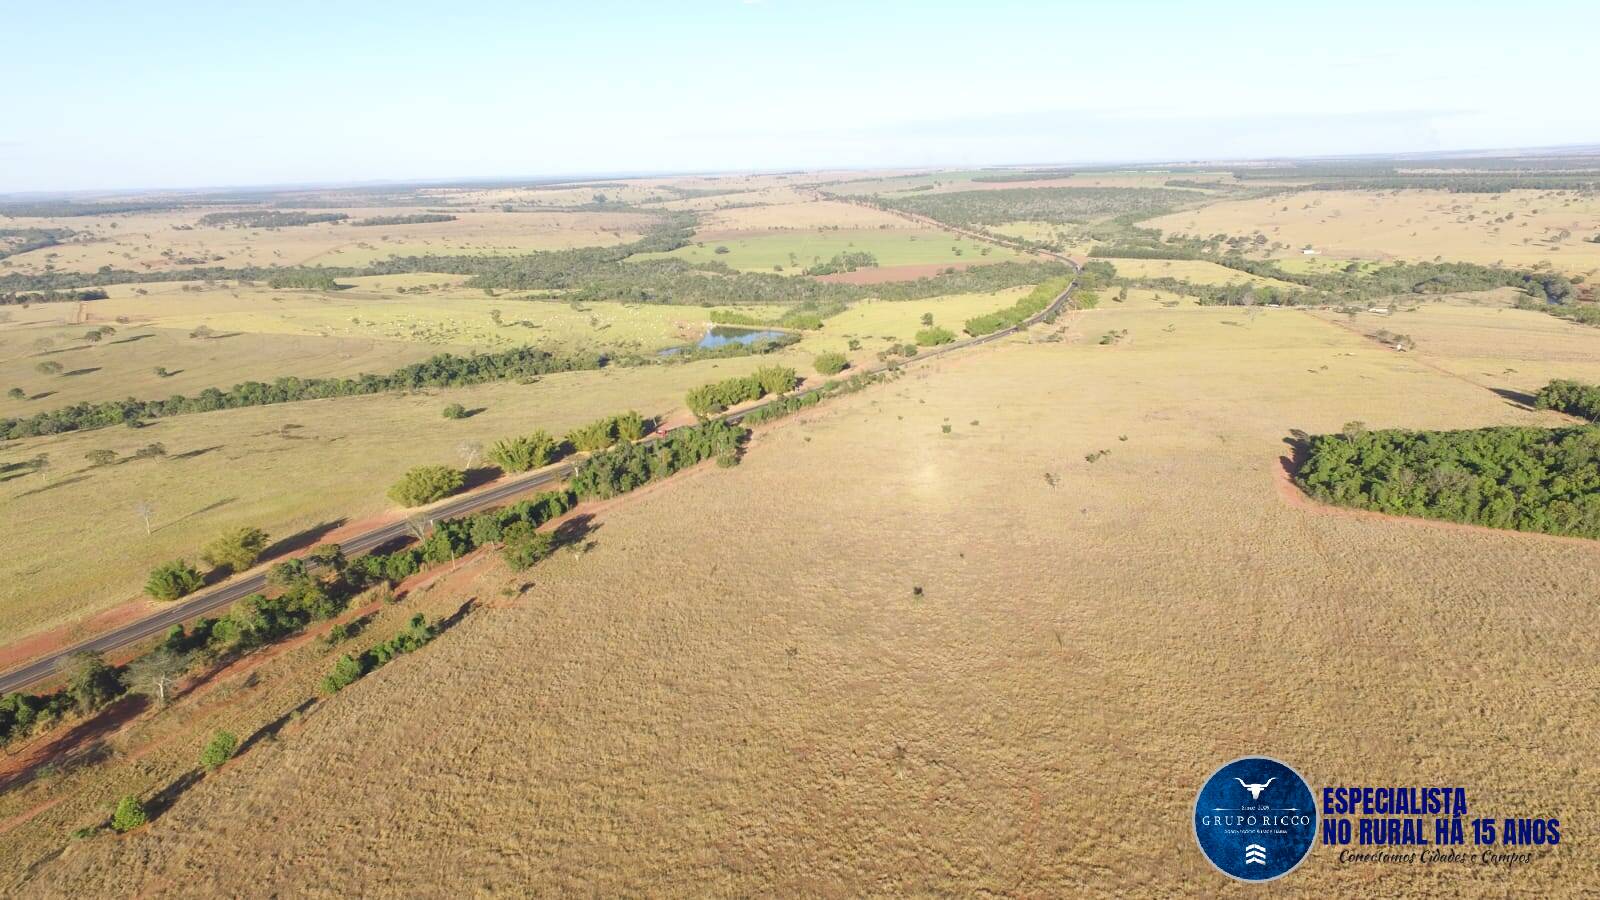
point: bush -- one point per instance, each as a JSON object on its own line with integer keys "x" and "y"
{"x": 597, "y": 435}
{"x": 425, "y": 484}
{"x": 219, "y": 750}
{"x": 831, "y": 363}
{"x": 172, "y": 580}
{"x": 933, "y": 337}
{"x": 629, "y": 466}
{"x": 524, "y": 546}
{"x": 129, "y": 814}
{"x": 455, "y": 411}
{"x": 714, "y": 398}
{"x": 101, "y": 457}
{"x": 630, "y": 426}
{"x": 236, "y": 550}
{"x": 521, "y": 454}
{"x": 1571, "y": 397}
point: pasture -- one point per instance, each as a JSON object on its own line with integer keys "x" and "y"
{"x": 173, "y": 239}
{"x": 1007, "y": 641}
{"x": 1517, "y": 228}
{"x": 793, "y": 253}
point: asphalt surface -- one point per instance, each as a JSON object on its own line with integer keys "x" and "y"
{"x": 225, "y": 594}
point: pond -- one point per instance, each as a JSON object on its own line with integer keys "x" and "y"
{"x": 723, "y": 335}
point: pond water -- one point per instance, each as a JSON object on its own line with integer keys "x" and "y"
{"x": 723, "y": 335}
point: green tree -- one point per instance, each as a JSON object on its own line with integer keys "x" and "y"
{"x": 831, "y": 362}
{"x": 597, "y": 435}
{"x": 91, "y": 682}
{"x": 129, "y": 814}
{"x": 521, "y": 454}
{"x": 933, "y": 337}
{"x": 524, "y": 546}
{"x": 425, "y": 484}
{"x": 236, "y": 550}
{"x": 630, "y": 426}
{"x": 219, "y": 750}
{"x": 172, "y": 580}
{"x": 455, "y": 411}
{"x": 48, "y": 367}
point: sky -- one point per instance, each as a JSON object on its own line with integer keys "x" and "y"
{"x": 116, "y": 95}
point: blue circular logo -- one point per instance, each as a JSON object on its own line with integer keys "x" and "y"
{"x": 1255, "y": 819}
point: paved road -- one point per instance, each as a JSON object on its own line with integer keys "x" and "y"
{"x": 226, "y": 593}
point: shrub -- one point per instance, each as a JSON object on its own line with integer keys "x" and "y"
{"x": 455, "y": 411}
{"x": 831, "y": 363}
{"x": 129, "y": 814}
{"x": 1571, "y": 397}
{"x": 716, "y": 397}
{"x": 521, "y": 454}
{"x": 524, "y": 546}
{"x": 101, "y": 457}
{"x": 172, "y": 580}
{"x": 236, "y": 550}
{"x": 345, "y": 672}
{"x": 630, "y": 426}
{"x": 425, "y": 484}
{"x": 933, "y": 337}
{"x": 219, "y": 750}
{"x": 597, "y": 435}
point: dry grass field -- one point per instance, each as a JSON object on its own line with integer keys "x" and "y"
{"x": 792, "y": 253}
{"x": 285, "y": 468}
{"x": 1415, "y": 225}
{"x": 1195, "y": 270}
{"x": 153, "y": 242}
{"x": 878, "y": 658}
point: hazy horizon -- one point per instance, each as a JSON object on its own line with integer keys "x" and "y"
{"x": 296, "y": 94}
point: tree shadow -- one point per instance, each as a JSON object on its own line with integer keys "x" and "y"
{"x": 41, "y": 395}
{"x": 199, "y": 512}
{"x": 576, "y": 530}
{"x": 191, "y": 454}
{"x": 54, "y": 484}
{"x": 454, "y": 619}
{"x": 172, "y": 372}
{"x": 300, "y": 540}
{"x": 83, "y": 742}
{"x": 130, "y": 339}
{"x": 469, "y": 413}
{"x": 480, "y": 476}
{"x": 1520, "y": 399}
{"x": 1299, "y": 444}
{"x": 84, "y": 371}
{"x": 162, "y": 800}
{"x": 271, "y": 729}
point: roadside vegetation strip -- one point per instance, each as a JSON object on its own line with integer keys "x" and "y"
{"x": 618, "y": 470}
{"x": 1527, "y": 479}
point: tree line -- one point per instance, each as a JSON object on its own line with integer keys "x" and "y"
{"x": 1034, "y": 303}
{"x": 269, "y": 218}
{"x": 443, "y": 370}
{"x": 709, "y": 399}
{"x": 1528, "y": 479}
{"x": 413, "y": 219}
